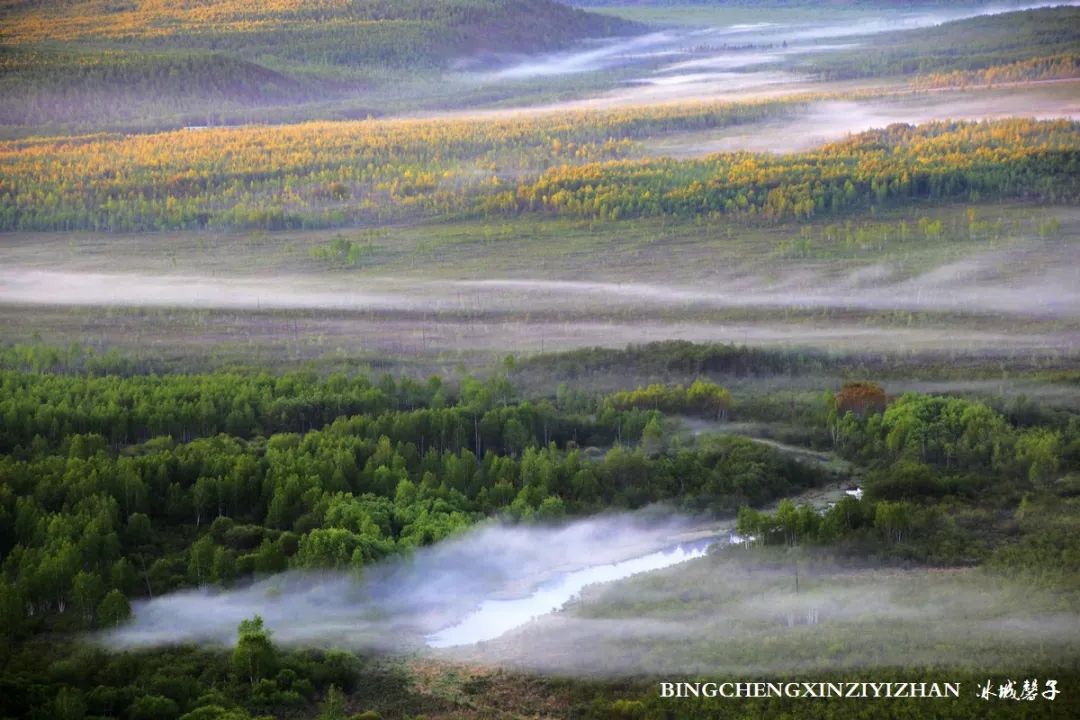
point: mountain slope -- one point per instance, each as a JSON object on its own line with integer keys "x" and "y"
{"x": 109, "y": 60}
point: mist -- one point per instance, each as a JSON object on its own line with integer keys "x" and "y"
{"x": 829, "y": 121}
{"x": 742, "y": 612}
{"x": 695, "y": 63}
{"x": 624, "y": 595}
{"x": 1023, "y": 279}
{"x": 198, "y": 291}
{"x": 492, "y": 578}
{"x": 599, "y": 56}
{"x": 1020, "y": 296}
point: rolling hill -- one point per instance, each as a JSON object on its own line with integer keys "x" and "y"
{"x": 66, "y": 63}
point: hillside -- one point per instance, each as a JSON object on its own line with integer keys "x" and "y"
{"x": 1029, "y": 41}
{"x": 448, "y": 28}
{"x": 159, "y": 60}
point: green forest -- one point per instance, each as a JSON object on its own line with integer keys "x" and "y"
{"x": 695, "y": 341}
{"x": 118, "y": 486}
{"x": 121, "y": 487}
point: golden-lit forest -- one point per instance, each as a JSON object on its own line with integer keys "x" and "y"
{"x": 315, "y": 174}
{"x": 325, "y": 175}
{"x": 1022, "y": 159}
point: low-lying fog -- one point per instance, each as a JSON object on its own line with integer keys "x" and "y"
{"x": 694, "y": 63}
{"x": 1035, "y": 280}
{"x": 464, "y": 590}
{"x": 1025, "y": 297}
{"x": 828, "y": 121}
{"x": 732, "y": 46}
{"x": 736, "y": 614}
{"x": 488, "y": 596}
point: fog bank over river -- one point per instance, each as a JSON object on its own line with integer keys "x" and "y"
{"x": 466, "y": 589}
{"x": 498, "y": 595}
{"x": 722, "y": 61}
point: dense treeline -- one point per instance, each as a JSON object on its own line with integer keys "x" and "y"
{"x": 901, "y": 163}
{"x": 326, "y": 174}
{"x": 927, "y": 457}
{"x": 1054, "y": 67}
{"x": 126, "y": 410}
{"x": 315, "y": 174}
{"x": 37, "y": 357}
{"x": 677, "y": 357}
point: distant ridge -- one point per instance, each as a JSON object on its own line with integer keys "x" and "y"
{"x": 65, "y": 63}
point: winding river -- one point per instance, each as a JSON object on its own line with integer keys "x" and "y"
{"x": 496, "y": 617}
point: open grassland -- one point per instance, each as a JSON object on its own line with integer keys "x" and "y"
{"x": 913, "y": 239}
{"x": 961, "y": 279}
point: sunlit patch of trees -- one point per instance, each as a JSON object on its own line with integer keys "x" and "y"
{"x": 315, "y": 174}
{"x": 702, "y": 398}
{"x": 901, "y": 163}
{"x": 1056, "y": 67}
{"x": 333, "y": 174}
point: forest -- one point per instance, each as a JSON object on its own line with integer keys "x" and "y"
{"x": 313, "y": 174}
{"x": 322, "y": 175}
{"x": 120, "y": 487}
{"x": 117, "y": 487}
{"x": 659, "y": 340}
